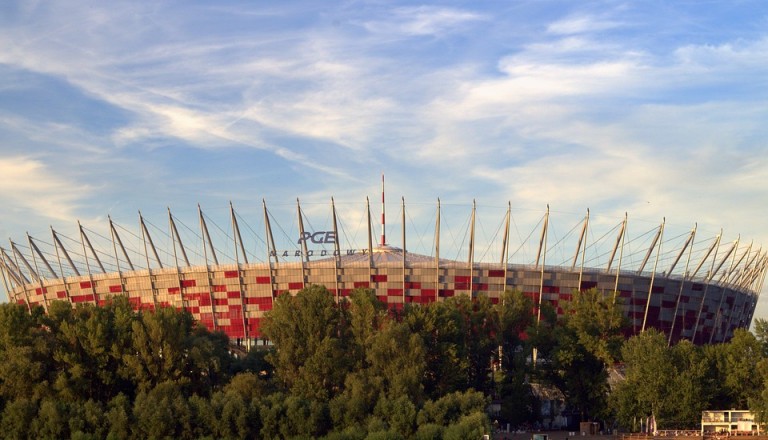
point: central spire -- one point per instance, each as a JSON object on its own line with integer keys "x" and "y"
{"x": 383, "y": 215}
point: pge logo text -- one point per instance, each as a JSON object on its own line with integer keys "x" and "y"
{"x": 319, "y": 237}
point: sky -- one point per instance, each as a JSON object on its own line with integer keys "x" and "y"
{"x": 652, "y": 108}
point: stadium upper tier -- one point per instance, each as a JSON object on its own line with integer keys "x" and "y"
{"x": 689, "y": 287}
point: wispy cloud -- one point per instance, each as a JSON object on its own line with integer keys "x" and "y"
{"x": 30, "y": 188}
{"x": 422, "y": 21}
{"x": 581, "y": 24}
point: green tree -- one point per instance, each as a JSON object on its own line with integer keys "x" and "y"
{"x": 398, "y": 413}
{"x": 397, "y": 362}
{"x": 598, "y": 323}
{"x": 310, "y": 335}
{"x": 761, "y": 334}
{"x": 84, "y": 336}
{"x": 51, "y": 421}
{"x": 649, "y": 379}
{"x": 86, "y": 419}
{"x": 438, "y": 324}
{"x": 17, "y": 417}
{"x": 119, "y": 417}
{"x": 159, "y": 348}
{"x": 452, "y": 407}
{"x": 26, "y": 354}
{"x": 515, "y": 318}
{"x": 231, "y": 415}
{"x": 689, "y": 394}
{"x": 580, "y": 348}
{"x": 367, "y": 315}
{"x": 474, "y": 425}
{"x": 759, "y": 405}
{"x": 742, "y": 355}
{"x": 162, "y": 412}
{"x": 479, "y": 327}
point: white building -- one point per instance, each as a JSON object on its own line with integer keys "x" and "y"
{"x": 733, "y": 421}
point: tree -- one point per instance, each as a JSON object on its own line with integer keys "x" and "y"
{"x": 515, "y": 318}
{"x": 367, "y": 315}
{"x": 689, "y": 394}
{"x": 162, "y": 412}
{"x": 310, "y": 336}
{"x": 598, "y": 324}
{"x": 452, "y": 407}
{"x": 742, "y": 355}
{"x": 761, "y": 334}
{"x": 479, "y": 329}
{"x": 649, "y": 378}
{"x": 159, "y": 351}
{"x": 51, "y": 421}
{"x": 589, "y": 340}
{"x": 26, "y": 348}
{"x": 86, "y": 364}
{"x": 17, "y": 417}
{"x": 119, "y": 417}
{"x": 438, "y": 325}
{"x": 759, "y": 405}
{"x": 232, "y": 415}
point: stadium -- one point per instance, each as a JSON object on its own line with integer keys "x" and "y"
{"x": 685, "y": 285}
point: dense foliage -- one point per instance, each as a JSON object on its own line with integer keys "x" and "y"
{"x": 356, "y": 370}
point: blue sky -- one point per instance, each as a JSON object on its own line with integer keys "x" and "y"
{"x": 653, "y": 108}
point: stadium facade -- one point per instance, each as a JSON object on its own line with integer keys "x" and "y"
{"x": 696, "y": 289}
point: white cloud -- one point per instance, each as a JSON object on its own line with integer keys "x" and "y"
{"x": 422, "y": 21}
{"x": 580, "y": 24}
{"x": 35, "y": 189}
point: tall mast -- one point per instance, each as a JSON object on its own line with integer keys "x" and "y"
{"x": 471, "y": 260}
{"x": 542, "y": 247}
{"x": 404, "y": 251}
{"x": 660, "y": 240}
{"x": 336, "y": 251}
{"x": 270, "y": 239}
{"x": 177, "y": 238}
{"x": 206, "y": 235}
{"x": 60, "y": 245}
{"x": 237, "y": 237}
{"x": 34, "y": 247}
{"x": 582, "y": 246}
{"x": 690, "y": 241}
{"x": 505, "y": 246}
{"x": 437, "y": 251}
{"x": 383, "y": 215}
{"x": 117, "y": 241}
{"x": 370, "y": 235}
{"x": 707, "y": 278}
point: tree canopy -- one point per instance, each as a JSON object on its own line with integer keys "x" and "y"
{"x": 354, "y": 369}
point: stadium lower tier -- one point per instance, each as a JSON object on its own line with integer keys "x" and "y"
{"x": 234, "y": 299}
